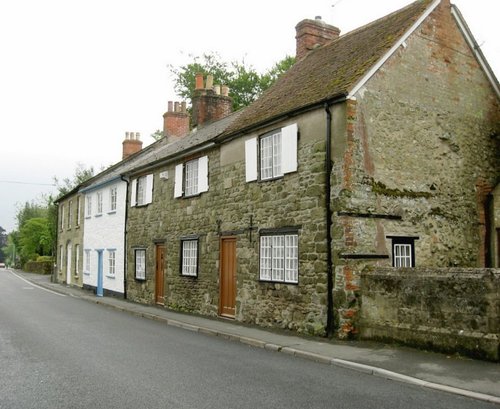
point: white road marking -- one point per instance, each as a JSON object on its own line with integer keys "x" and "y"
{"x": 37, "y": 286}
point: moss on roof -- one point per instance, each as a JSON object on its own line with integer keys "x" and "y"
{"x": 331, "y": 70}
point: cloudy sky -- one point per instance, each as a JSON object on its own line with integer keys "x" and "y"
{"x": 75, "y": 75}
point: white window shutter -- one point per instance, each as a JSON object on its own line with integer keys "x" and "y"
{"x": 149, "y": 189}
{"x": 251, "y": 159}
{"x": 203, "y": 174}
{"x": 178, "y": 180}
{"x": 289, "y": 149}
{"x": 133, "y": 193}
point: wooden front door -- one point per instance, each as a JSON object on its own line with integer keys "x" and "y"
{"x": 227, "y": 299}
{"x": 159, "y": 276}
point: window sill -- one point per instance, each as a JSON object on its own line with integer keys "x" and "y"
{"x": 112, "y": 212}
{"x": 86, "y": 273}
{"x": 98, "y": 215}
{"x": 88, "y": 217}
{"x": 271, "y": 179}
{"x": 110, "y": 276}
{"x": 142, "y": 280}
{"x": 278, "y": 282}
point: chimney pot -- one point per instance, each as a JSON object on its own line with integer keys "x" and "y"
{"x": 183, "y": 107}
{"x": 137, "y": 136}
{"x": 225, "y": 90}
{"x": 170, "y": 106}
{"x": 317, "y": 18}
{"x": 199, "y": 81}
{"x": 176, "y": 107}
{"x": 217, "y": 89}
{"x": 210, "y": 81}
{"x": 127, "y": 136}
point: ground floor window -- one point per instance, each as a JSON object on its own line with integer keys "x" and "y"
{"x": 111, "y": 262}
{"x": 403, "y": 251}
{"x": 189, "y": 257}
{"x": 279, "y": 258}
{"x": 140, "y": 264}
{"x": 87, "y": 262}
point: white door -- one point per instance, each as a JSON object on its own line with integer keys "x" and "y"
{"x": 68, "y": 263}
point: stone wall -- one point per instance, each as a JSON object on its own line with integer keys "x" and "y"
{"x": 417, "y": 160}
{"x": 70, "y": 233}
{"x": 452, "y": 310}
{"x": 233, "y": 207}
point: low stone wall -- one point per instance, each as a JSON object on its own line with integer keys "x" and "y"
{"x": 453, "y": 310}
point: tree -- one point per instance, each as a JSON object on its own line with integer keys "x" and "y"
{"x": 82, "y": 174}
{"x": 34, "y": 239}
{"x": 245, "y": 83}
{"x": 3, "y": 243}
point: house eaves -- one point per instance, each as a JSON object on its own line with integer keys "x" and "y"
{"x": 476, "y": 49}
{"x": 392, "y": 50}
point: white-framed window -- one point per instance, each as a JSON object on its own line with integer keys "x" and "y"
{"x": 111, "y": 262}
{"x": 99, "y": 203}
{"x": 271, "y": 155}
{"x": 140, "y": 264}
{"x": 279, "y": 258}
{"x": 78, "y": 210}
{"x": 403, "y": 251}
{"x": 189, "y": 257}
{"x": 88, "y": 205}
{"x": 191, "y": 178}
{"x": 62, "y": 217}
{"x": 77, "y": 259}
{"x": 112, "y": 198}
{"x": 70, "y": 213}
{"x": 87, "y": 261}
{"x": 61, "y": 258}
{"x": 142, "y": 191}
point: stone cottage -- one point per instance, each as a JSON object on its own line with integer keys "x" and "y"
{"x": 377, "y": 148}
{"x": 69, "y": 239}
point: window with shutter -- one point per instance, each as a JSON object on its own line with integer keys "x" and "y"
{"x": 272, "y": 155}
{"x": 191, "y": 178}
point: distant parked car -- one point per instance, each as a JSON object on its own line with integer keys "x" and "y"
{"x": 2, "y": 265}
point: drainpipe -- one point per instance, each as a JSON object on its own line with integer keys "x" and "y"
{"x": 329, "y": 258}
{"x": 126, "y": 180}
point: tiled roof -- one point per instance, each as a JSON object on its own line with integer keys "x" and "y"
{"x": 160, "y": 151}
{"x": 331, "y": 70}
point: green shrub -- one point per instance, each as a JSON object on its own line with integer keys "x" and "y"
{"x": 39, "y": 267}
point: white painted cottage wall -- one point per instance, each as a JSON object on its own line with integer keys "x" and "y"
{"x": 106, "y": 232}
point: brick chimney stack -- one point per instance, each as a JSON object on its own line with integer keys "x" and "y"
{"x": 132, "y": 144}
{"x": 210, "y": 102}
{"x": 175, "y": 121}
{"x": 311, "y": 34}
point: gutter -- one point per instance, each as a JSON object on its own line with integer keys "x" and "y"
{"x": 328, "y": 215}
{"x": 172, "y": 158}
{"x": 125, "y": 269}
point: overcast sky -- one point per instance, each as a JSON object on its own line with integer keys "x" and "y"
{"x": 76, "y": 75}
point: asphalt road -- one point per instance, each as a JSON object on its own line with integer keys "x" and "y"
{"x": 61, "y": 352}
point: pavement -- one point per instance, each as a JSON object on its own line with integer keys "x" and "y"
{"x": 449, "y": 373}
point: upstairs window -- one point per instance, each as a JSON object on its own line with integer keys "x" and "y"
{"x": 112, "y": 199}
{"x": 272, "y": 155}
{"x": 70, "y": 213}
{"x": 78, "y": 210}
{"x": 88, "y": 212}
{"x": 191, "y": 178}
{"x": 403, "y": 251}
{"x": 279, "y": 258}
{"x": 99, "y": 202}
{"x": 142, "y": 191}
{"x": 62, "y": 217}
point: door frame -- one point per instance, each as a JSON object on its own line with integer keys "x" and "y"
{"x": 99, "y": 287}
{"x": 221, "y": 282}
{"x": 159, "y": 299}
